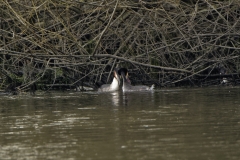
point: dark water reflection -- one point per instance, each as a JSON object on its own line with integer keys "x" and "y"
{"x": 165, "y": 124}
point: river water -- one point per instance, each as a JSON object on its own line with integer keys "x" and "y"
{"x": 168, "y": 124}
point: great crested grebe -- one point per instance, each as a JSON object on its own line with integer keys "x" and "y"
{"x": 126, "y": 87}
{"x": 114, "y": 86}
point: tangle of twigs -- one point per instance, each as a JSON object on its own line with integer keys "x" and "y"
{"x": 73, "y": 43}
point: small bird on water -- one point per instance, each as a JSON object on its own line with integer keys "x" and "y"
{"x": 126, "y": 87}
{"x": 114, "y": 86}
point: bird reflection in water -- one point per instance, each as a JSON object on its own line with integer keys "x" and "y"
{"x": 119, "y": 98}
{"x": 115, "y": 98}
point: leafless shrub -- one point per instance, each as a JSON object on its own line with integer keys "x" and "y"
{"x": 75, "y": 42}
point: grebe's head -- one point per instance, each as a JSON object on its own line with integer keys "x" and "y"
{"x": 124, "y": 74}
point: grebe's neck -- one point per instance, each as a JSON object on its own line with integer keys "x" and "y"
{"x": 114, "y": 84}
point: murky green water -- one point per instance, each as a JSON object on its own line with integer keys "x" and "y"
{"x": 166, "y": 124}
